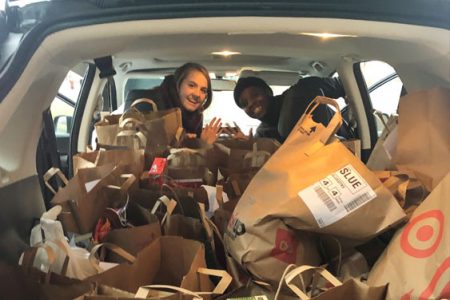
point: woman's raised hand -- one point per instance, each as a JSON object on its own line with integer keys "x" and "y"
{"x": 236, "y": 132}
{"x": 212, "y": 131}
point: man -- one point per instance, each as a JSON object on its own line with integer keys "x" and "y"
{"x": 279, "y": 114}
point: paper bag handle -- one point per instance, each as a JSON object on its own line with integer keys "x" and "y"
{"x": 141, "y": 138}
{"x": 255, "y": 157}
{"x": 175, "y": 195}
{"x": 178, "y": 136}
{"x": 180, "y": 152}
{"x": 175, "y": 151}
{"x": 94, "y": 261}
{"x": 299, "y": 270}
{"x": 60, "y": 244}
{"x": 206, "y": 225}
{"x": 235, "y": 186}
{"x": 130, "y": 179}
{"x": 306, "y": 120}
{"x": 225, "y": 280}
{"x": 170, "y": 206}
{"x": 49, "y": 175}
{"x": 29, "y": 255}
{"x": 130, "y": 120}
{"x": 144, "y": 100}
{"x": 383, "y": 117}
{"x": 143, "y": 291}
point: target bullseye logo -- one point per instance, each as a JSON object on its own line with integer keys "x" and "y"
{"x": 439, "y": 286}
{"x": 423, "y": 234}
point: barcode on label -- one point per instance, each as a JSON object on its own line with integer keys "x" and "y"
{"x": 325, "y": 198}
{"x": 360, "y": 200}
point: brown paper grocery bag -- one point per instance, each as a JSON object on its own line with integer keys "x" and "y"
{"x": 351, "y": 289}
{"x": 312, "y": 183}
{"x": 236, "y": 183}
{"x": 188, "y": 166}
{"x": 252, "y": 290}
{"x": 133, "y": 159}
{"x": 423, "y": 134}
{"x": 382, "y": 152}
{"x": 133, "y": 239}
{"x": 316, "y": 184}
{"x": 82, "y": 185}
{"x": 163, "y": 127}
{"x": 236, "y": 156}
{"x": 267, "y": 251}
{"x": 83, "y": 199}
{"x": 416, "y": 263}
{"x": 186, "y": 227}
{"x": 107, "y": 130}
{"x": 155, "y": 292}
{"x": 155, "y": 130}
{"x": 407, "y": 189}
{"x": 354, "y": 146}
{"x": 168, "y": 260}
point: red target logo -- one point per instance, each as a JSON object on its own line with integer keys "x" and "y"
{"x": 285, "y": 248}
{"x": 439, "y": 282}
{"x": 423, "y": 234}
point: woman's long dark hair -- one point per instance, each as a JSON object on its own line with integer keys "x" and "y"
{"x": 182, "y": 72}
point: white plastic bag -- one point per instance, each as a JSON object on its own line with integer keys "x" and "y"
{"x": 50, "y": 233}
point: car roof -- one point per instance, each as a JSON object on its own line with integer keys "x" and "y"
{"x": 271, "y": 36}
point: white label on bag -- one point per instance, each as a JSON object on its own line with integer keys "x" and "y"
{"x": 337, "y": 195}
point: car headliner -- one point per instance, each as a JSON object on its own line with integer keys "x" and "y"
{"x": 270, "y": 43}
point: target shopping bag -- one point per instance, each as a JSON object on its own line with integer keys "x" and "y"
{"x": 416, "y": 264}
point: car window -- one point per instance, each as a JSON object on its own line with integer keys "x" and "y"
{"x": 224, "y": 107}
{"x": 385, "y": 97}
{"x": 384, "y": 88}
{"x": 71, "y": 86}
{"x": 62, "y": 107}
{"x": 62, "y": 113}
{"x": 141, "y": 84}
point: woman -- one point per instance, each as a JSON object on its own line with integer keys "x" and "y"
{"x": 189, "y": 88}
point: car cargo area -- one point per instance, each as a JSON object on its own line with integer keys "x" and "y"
{"x": 224, "y": 150}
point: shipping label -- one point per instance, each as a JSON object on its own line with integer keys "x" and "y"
{"x": 337, "y": 195}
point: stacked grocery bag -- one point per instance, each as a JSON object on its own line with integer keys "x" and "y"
{"x": 153, "y": 214}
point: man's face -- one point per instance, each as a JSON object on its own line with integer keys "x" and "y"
{"x": 254, "y": 101}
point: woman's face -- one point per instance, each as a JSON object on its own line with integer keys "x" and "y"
{"x": 193, "y": 90}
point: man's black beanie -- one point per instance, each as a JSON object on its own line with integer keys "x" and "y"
{"x": 246, "y": 82}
